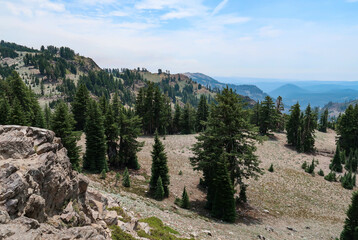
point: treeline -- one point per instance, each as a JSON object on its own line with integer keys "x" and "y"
{"x": 155, "y": 110}
{"x": 268, "y": 116}
{"x": 18, "y": 104}
{"x": 50, "y": 65}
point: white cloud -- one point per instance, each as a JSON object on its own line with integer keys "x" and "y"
{"x": 220, "y": 6}
{"x": 118, "y": 14}
{"x": 269, "y": 31}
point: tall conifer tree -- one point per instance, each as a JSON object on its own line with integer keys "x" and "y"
{"x": 79, "y": 106}
{"x": 95, "y": 157}
{"x": 63, "y": 124}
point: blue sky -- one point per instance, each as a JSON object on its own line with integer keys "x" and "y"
{"x": 302, "y": 39}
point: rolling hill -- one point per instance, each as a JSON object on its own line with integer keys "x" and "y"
{"x": 53, "y": 74}
{"x": 251, "y": 91}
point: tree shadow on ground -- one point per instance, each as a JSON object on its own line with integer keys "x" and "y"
{"x": 245, "y": 213}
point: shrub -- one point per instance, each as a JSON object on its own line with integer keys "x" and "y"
{"x": 271, "y": 168}
{"x": 126, "y": 180}
{"x": 103, "y": 174}
{"x": 321, "y": 173}
{"x": 180, "y": 173}
{"x": 185, "y": 203}
{"x": 310, "y": 168}
{"x": 304, "y": 165}
{"x": 331, "y": 177}
{"x": 119, "y": 234}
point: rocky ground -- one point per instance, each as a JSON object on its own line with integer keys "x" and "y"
{"x": 285, "y": 204}
{"x": 40, "y": 197}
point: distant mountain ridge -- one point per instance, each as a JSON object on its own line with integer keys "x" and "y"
{"x": 314, "y": 95}
{"x": 249, "y": 90}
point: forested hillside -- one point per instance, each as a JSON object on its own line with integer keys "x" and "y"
{"x": 54, "y": 73}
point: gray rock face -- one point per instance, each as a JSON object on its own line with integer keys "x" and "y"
{"x": 40, "y": 196}
{"x": 36, "y": 178}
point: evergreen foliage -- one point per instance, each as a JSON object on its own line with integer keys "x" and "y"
{"x": 331, "y": 177}
{"x": 350, "y": 229}
{"x": 159, "y": 168}
{"x": 18, "y": 104}
{"x": 79, "y": 106}
{"x": 323, "y": 122}
{"x": 242, "y": 194}
{"x": 202, "y": 114}
{"x": 185, "y": 203}
{"x": 294, "y": 125}
{"x": 126, "y": 180}
{"x": 118, "y": 178}
{"x": 103, "y": 174}
{"x": 347, "y": 129}
{"x": 271, "y": 168}
{"x": 187, "y": 121}
{"x": 310, "y": 168}
{"x": 159, "y": 190}
{"x": 228, "y": 131}
{"x": 320, "y": 172}
{"x": 304, "y": 165}
{"x": 62, "y": 123}
{"x": 94, "y": 159}
{"x": 223, "y": 203}
{"x": 336, "y": 161}
{"x": 176, "y": 119}
{"x": 280, "y": 118}
{"x": 268, "y": 116}
{"x": 309, "y": 126}
{"x": 348, "y": 180}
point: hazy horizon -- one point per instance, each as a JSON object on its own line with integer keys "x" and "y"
{"x": 262, "y": 39}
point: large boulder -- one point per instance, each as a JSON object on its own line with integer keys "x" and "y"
{"x": 36, "y": 177}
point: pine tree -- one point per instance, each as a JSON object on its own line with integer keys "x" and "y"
{"x": 255, "y": 118}
{"x": 336, "y": 161}
{"x": 111, "y": 132}
{"x": 159, "y": 190}
{"x": 126, "y": 180}
{"x": 159, "y": 167}
{"x": 129, "y": 130}
{"x": 79, "y": 106}
{"x": 47, "y": 116}
{"x": 118, "y": 178}
{"x": 202, "y": 114}
{"x": 350, "y": 229}
{"x": 271, "y": 168}
{"x": 185, "y": 203}
{"x": 95, "y": 157}
{"x": 280, "y": 121}
{"x": 62, "y": 123}
{"x": 309, "y": 126}
{"x": 176, "y": 119}
{"x": 323, "y": 122}
{"x": 17, "y": 116}
{"x": 293, "y": 125}
{"x": 268, "y": 116}
{"x": 228, "y": 131}
{"x": 5, "y": 111}
{"x": 187, "y": 120}
{"x": 224, "y": 203}
{"x": 347, "y": 129}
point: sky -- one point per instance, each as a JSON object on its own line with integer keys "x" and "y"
{"x": 286, "y": 39}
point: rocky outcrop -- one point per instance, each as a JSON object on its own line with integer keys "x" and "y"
{"x": 35, "y": 173}
{"x": 42, "y": 198}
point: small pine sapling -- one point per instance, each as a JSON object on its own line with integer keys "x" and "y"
{"x": 271, "y": 168}
{"x": 126, "y": 180}
{"x": 159, "y": 190}
{"x": 103, "y": 174}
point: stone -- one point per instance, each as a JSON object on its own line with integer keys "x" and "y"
{"x": 292, "y": 229}
{"x": 4, "y": 217}
{"x": 111, "y": 218}
{"x": 207, "y": 232}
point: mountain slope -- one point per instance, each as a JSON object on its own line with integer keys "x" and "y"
{"x": 53, "y": 74}
{"x": 251, "y": 91}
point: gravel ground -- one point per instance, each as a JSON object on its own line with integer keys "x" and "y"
{"x": 285, "y": 204}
